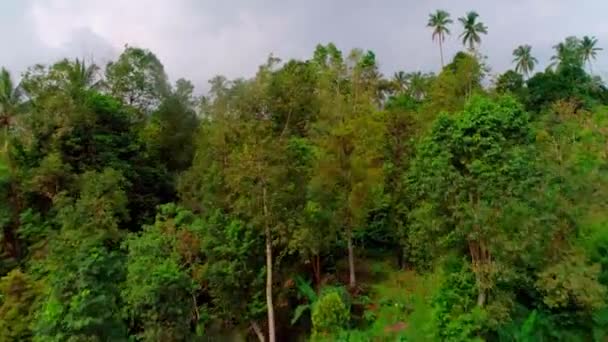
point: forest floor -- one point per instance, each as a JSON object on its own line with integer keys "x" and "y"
{"x": 393, "y": 303}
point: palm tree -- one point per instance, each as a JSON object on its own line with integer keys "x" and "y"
{"x": 568, "y": 52}
{"x": 10, "y": 98}
{"x": 400, "y": 81}
{"x": 524, "y": 61}
{"x": 418, "y": 84}
{"x": 589, "y": 50}
{"x": 439, "y": 21}
{"x": 472, "y": 29}
{"x": 79, "y": 75}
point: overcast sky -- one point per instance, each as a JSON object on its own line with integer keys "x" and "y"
{"x": 198, "y": 39}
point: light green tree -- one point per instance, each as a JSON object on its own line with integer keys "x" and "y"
{"x": 464, "y": 176}
{"x": 349, "y": 137}
{"x": 137, "y": 77}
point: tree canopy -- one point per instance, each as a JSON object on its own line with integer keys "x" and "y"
{"x": 316, "y": 200}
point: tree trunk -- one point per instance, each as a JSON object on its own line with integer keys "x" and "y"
{"x": 400, "y": 257}
{"x": 270, "y": 307}
{"x": 351, "y": 257}
{"x": 258, "y": 331}
{"x": 286, "y": 124}
{"x": 316, "y": 270}
{"x": 481, "y": 298}
{"x": 481, "y": 261}
{"x": 441, "y": 51}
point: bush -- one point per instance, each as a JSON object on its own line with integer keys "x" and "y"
{"x": 330, "y": 313}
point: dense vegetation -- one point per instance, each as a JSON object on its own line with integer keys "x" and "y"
{"x": 317, "y": 200}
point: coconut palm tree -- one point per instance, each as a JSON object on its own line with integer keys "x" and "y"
{"x": 568, "y": 52}
{"x": 78, "y": 75}
{"x": 400, "y": 81}
{"x": 439, "y": 21}
{"x": 589, "y": 50}
{"x": 418, "y": 84}
{"x": 472, "y": 29}
{"x": 10, "y": 99}
{"x": 524, "y": 61}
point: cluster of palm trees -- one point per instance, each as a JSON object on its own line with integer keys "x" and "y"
{"x": 575, "y": 50}
{"x": 471, "y": 33}
{"x": 412, "y": 83}
{"x": 572, "y": 49}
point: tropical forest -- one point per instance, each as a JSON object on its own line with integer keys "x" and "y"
{"x": 317, "y": 200}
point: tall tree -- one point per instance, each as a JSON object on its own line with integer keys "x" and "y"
{"x": 524, "y": 61}
{"x": 439, "y": 21}
{"x": 472, "y": 30}
{"x": 349, "y": 139}
{"x": 172, "y": 126}
{"x": 454, "y": 85}
{"x": 465, "y": 173}
{"x": 250, "y": 173}
{"x": 139, "y": 78}
{"x": 84, "y": 272}
{"x": 589, "y": 50}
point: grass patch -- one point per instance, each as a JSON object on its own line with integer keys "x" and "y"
{"x": 396, "y": 306}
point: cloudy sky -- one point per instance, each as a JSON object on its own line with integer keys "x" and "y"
{"x": 198, "y": 39}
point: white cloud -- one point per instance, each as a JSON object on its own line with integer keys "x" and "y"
{"x": 190, "y": 42}
{"x": 197, "y": 39}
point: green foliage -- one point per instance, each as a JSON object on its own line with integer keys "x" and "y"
{"x": 131, "y": 209}
{"x": 171, "y": 130}
{"x": 138, "y": 78}
{"x": 569, "y": 81}
{"x": 454, "y": 306}
{"x": 163, "y": 278}
{"x": 330, "y": 313}
{"x": 456, "y": 83}
{"x": 510, "y": 82}
{"x": 19, "y": 295}
{"x": 83, "y": 300}
{"x": 234, "y": 252}
{"x": 83, "y": 273}
{"x": 308, "y": 293}
{"x": 465, "y": 170}
{"x": 572, "y": 282}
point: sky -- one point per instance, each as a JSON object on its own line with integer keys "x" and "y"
{"x": 198, "y": 39}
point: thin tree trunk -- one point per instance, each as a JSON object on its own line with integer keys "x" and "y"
{"x": 481, "y": 263}
{"x": 316, "y": 269}
{"x": 400, "y": 257}
{"x": 286, "y": 124}
{"x": 441, "y": 51}
{"x": 270, "y": 307}
{"x": 351, "y": 257}
{"x": 5, "y": 148}
{"x": 481, "y": 298}
{"x": 258, "y": 331}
